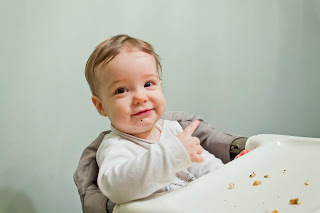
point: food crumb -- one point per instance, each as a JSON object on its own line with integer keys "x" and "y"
{"x": 306, "y": 184}
{"x": 275, "y": 211}
{"x": 231, "y": 186}
{"x": 266, "y": 176}
{"x": 284, "y": 171}
{"x": 256, "y": 182}
{"x": 295, "y": 201}
{"x": 252, "y": 175}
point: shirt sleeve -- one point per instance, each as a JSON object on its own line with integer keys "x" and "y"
{"x": 209, "y": 164}
{"x": 127, "y": 173}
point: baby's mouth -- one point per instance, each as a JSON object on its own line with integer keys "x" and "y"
{"x": 142, "y": 112}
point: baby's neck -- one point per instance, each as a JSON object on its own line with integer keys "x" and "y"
{"x": 151, "y": 135}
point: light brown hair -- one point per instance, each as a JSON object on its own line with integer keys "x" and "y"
{"x": 107, "y": 50}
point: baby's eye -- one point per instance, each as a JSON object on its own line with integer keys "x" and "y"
{"x": 148, "y": 84}
{"x": 121, "y": 90}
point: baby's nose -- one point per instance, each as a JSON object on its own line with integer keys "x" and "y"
{"x": 140, "y": 97}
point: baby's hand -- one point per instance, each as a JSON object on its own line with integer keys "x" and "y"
{"x": 191, "y": 144}
{"x": 242, "y": 153}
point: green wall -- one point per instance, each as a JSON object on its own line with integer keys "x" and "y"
{"x": 248, "y": 67}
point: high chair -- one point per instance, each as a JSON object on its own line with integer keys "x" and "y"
{"x": 223, "y": 146}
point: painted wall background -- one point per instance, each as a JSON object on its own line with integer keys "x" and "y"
{"x": 248, "y": 67}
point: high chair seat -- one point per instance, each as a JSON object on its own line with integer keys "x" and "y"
{"x": 85, "y": 176}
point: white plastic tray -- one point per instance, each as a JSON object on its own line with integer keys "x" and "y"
{"x": 271, "y": 155}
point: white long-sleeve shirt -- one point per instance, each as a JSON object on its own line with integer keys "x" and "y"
{"x": 131, "y": 168}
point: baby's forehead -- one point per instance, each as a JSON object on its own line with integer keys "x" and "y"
{"x": 119, "y": 63}
{"x": 126, "y": 49}
{"x": 126, "y": 53}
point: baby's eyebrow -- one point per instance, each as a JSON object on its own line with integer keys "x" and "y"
{"x": 152, "y": 75}
{"x": 114, "y": 83}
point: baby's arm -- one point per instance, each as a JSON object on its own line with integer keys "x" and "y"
{"x": 125, "y": 176}
{"x": 209, "y": 164}
{"x": 203, "y": 161}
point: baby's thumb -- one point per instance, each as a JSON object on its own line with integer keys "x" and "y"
{"x": 192, "y": 127}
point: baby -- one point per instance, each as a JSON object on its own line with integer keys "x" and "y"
{"x": 143, "y": 154}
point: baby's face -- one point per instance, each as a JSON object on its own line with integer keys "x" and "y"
{"x": 131, "y": 93}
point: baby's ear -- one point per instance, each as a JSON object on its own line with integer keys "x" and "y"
{"x": 98, "y": 104}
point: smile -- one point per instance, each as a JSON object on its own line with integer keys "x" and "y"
{"x": 143, "y": 112}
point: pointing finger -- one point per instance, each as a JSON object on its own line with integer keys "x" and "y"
{"x": 192, "y": 127}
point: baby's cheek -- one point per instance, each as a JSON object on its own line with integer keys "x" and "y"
{"x": 162, "y": 100}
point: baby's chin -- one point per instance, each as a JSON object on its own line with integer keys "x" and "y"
{"x": 138, "y": 128}
{"x": 143, "y": 127}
